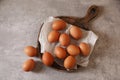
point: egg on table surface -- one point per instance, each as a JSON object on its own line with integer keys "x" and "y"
{"x": 58, "y": 25}
{"x": 64, "y": 39}
{"x": 47, "y": 59}
{"x": 30, "y": 51}
{"x": 85, "y": 48}
{"x": 60, "y": 52}
{"x": 75, "y": 32}
{"x": 53, "y": 36}
{"x": 73, "y": 50}
{"x": 28, "y": 65}
{"x": 69, "y": 62}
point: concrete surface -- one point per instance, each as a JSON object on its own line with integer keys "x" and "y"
{"x": 19, "y": 24}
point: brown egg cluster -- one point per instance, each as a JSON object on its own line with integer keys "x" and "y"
{"x": 29, "y": 64}
{"x": 66, "y": 50}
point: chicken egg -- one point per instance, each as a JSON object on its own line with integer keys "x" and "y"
{"x": 58, "y": 25}
{"x": 64, "y": 39}
{"x": 28, "y": 65}
{"x": 75, "y": 32}
{"x": 53, "y": 36}
{"x": 69, "y": 62}
{"x": 60, "y": 52}
{"x": 85, "y": 48}
{"x": 47, "y": 59}
{"x": 73, "y": 50}
{"x": 30, "y": 51}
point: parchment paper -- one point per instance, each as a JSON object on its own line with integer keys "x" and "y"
{"x": 88, "y": 36}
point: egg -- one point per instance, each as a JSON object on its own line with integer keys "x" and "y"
{"x": 60, "y": 52}
{"x": 30, "y": 51}
{"x": 73, "y": 50}
{"x": 47, "y": 59}
{"x": 58, "y": 25}
{"x": 85, "y": 48}
{"x": 28, "y": 65}
{"x": 53, "y": 36}
{"x": 64, "y": 39}
{"x": 69, "y": 62}
{"x": 75, "y": 32}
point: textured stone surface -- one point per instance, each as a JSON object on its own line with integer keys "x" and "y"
{"x": 19, "y": 25}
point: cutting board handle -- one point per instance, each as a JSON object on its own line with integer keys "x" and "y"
{"x": 91, "y": 13}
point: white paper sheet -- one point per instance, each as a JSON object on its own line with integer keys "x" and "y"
{"x": 88, "y": 37}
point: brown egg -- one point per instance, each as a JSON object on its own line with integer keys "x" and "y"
{"x": 28, "y": 65}
{"x": 75, "y": 32}
{"x": 30, "y": 51}
{"x": 69, "y": 62}
{"x": 60, "y": 52}
{"x": 64, "y": 39}
{"x": 73, "y": 50}
{"x": 58, "y": 25}
{"x": 85, "y": 48}
{"x": 47, "y": 59}
{"x": 53, "y": 36}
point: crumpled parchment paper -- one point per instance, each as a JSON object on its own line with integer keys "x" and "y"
{"x": 88, "y": 36}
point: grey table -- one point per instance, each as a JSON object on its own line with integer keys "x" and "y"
{"x": 20, "y": 21}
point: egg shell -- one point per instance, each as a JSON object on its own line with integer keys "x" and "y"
{"x": 58, "y": 25}
{"x": 53, "y": 36}
{"x": 85, "y": 48}
{"x": 69, "y": 62}
{"x": 60, "y": 52}
{"x": 73, "y": 50}
{"x": 64, "y": 39}
{"x": 47, "y": 59}
{"x": 30, "y": 51}
{"x": 75, "y": 32}
{"x": 28, "y": 65}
